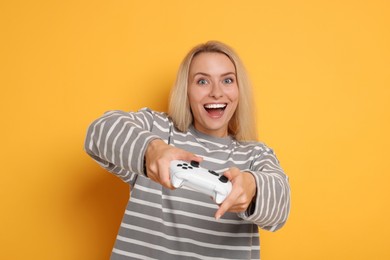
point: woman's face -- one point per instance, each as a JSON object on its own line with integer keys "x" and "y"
{"x": 212, "y": 92}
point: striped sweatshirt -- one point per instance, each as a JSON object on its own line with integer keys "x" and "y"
{"x": 159, "y": 223}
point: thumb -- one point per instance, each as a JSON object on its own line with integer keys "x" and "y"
{"x": 228, "y": 174}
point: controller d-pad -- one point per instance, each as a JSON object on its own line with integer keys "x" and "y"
{"x": 223, "y": 179}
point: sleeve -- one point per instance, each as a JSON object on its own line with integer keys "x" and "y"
{"x": 271, "y": 205}
{"x": 118, "y": 141}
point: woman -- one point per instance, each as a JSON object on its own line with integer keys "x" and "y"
{"x": 210, "y": 121}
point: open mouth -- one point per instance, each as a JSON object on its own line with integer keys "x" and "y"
{"x": 215, "y": 110}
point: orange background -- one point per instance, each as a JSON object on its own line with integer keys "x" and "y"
{"x": 322, "y": 86}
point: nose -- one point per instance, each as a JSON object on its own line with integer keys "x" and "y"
{"x": 216, "y": 90}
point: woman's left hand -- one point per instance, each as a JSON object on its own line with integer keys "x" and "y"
{"x": 243, "y": 191}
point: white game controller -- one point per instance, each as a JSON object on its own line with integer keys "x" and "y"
{"x": 208, "y": 182}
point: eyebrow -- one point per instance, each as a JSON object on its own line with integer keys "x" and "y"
{"x": 205, "y": 74}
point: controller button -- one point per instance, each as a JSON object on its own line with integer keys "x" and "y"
{"x": 184, "y": 168}
{"x": 223, "y": 179}
{"x": 213, "y": 173}
{"x": 195, "y": 164}
{"x": 179, "y": 165}
{"x": 189, "y": 167}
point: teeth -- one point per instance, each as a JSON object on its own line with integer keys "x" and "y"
{"x": 215, "y": 106}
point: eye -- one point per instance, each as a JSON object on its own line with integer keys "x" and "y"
{"x": 202, "y": 82}
{"x": 228, "y": 81}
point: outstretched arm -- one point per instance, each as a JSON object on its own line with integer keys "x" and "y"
{"x": 261, "y": 194}
{"x": 118, "y": 140}
{"x": 130, "y": 144}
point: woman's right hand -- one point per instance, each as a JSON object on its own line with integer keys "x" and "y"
{"x": 158, "y": 157}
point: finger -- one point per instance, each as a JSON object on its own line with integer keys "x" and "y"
{"x": 231, "y": 202}
{"x": 165, "y": 178}
{"x": 227, "y": 204}
{"x": 232, "y": 173}
{"x": 151, "y": 174}
{"x": 228, "y": 175}
{"x": 223, "y": 208}
{"x": 161, "y": 175}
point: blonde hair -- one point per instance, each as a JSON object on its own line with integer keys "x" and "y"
{"x": 242, "y": 125}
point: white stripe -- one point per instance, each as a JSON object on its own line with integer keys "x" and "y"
{"x": 131, "y": 151}
{"x": 187, "y": 214}
{"x": 143, "y": 117}
{"x": 187, "y": 227}
{"x": 95, "y": 125}
{"x": 224, "y": 161}
{"x": 175, "y": 198}
{"x": 134, "y": 256}
{"x": 140, "y": 160}
{"x": 248, "y": 148}
{"x": 161, "y": 116}
{"x": 190, "y": 201}
{"x": 147, "y": 189}
{"x": 99, "y": 139}
{"x": 123, "y": 146}
{"x": 185, "y": 240}
{"x": 142, "y": 123}
{"x": 250, "y": 145}
{"x": 109, "y": 134}
{"x": 210, "y": 142}
{"x": 164, "y": 130}
{"x": 114, "y": 142}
